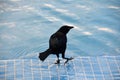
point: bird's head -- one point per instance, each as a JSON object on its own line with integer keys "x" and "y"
{"x": 65, "y": 29}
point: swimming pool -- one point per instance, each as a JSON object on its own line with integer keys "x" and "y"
{"x": 25, "y": 27}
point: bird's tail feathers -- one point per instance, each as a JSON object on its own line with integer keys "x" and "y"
{"x": 44, "y": 54}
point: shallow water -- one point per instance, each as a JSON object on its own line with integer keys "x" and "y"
{"x": 25, "y": 27}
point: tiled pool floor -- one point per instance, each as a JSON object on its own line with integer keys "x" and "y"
{"x": 80, "y": 68}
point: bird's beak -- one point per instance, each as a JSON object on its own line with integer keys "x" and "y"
{"x": 71, "y": 27}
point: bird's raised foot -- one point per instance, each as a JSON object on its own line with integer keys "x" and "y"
{"x": 68, "y": 60}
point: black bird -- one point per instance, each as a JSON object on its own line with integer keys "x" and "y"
{"x": 57, "y": 44}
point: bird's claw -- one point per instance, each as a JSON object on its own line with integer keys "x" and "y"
{"x": 71, "y": 58}
{"x": 68, "y": 60}
{"x": 57, "y": 62}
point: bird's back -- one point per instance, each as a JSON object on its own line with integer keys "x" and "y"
{"x": 57, "y": 42}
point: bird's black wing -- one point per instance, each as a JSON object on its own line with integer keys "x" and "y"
{"x": 58, "y": 41}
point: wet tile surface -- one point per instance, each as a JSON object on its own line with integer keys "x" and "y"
{"x": 80, "y": 68}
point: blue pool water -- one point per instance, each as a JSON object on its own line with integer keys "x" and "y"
{"x": 26, "y": 25}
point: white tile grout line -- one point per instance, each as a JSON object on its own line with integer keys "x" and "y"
{"x": 117, "y": 63}
{"x": 14, "y": 70}
{"x": 100, "y": 68}
{"x": 74, "y": 69}
{"x": 58, "y": 72}
{"x": 23, "y": 68}
{"x": 109, "y": 67}
{"x": 92, "y": 68}
{"x": 49, "y": 70}
{"x": 83, "y": 69}
{"x": 31, "y": 69}
{"x": 66, "y": 71}
{"x": 40, "y": 71}
{"x": 5, "y": 69}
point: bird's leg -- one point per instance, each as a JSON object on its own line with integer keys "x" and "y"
{"x": 67, "y": 59}
{"x": 58, "y": 60}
